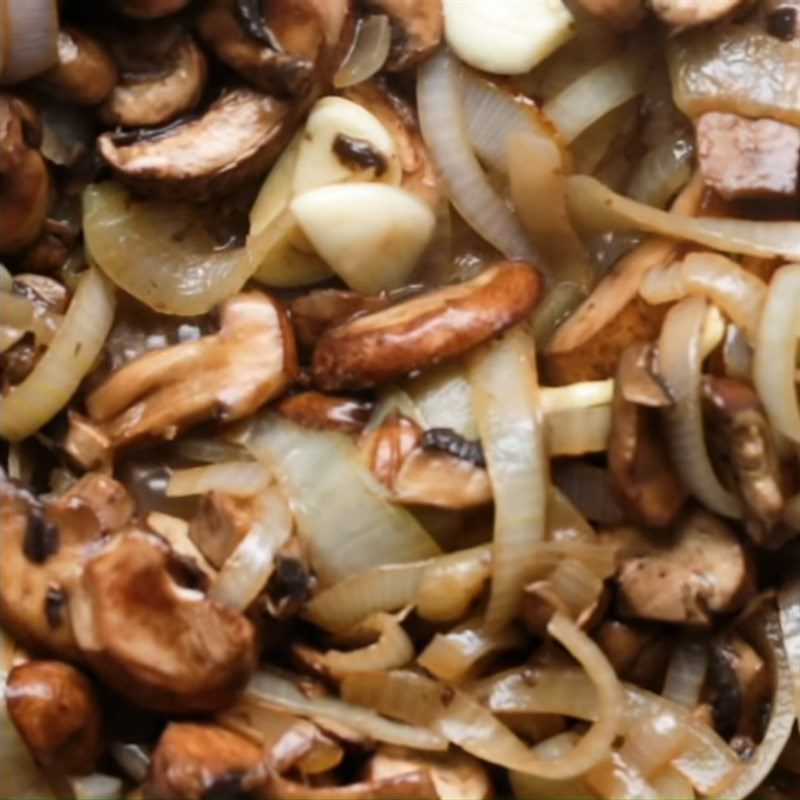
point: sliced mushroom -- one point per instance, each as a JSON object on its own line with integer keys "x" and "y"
{"x": 221, "y": 522}
{"x": 622, "y": 15}
{"x": 326, "y": 412}
{"x": 24, "y": 174}
{"x": 224, "y": 376}
{"x": 41, "y": 552}
{"x": 283, "y": 46}
{"x": 407, "y": 786}
{"x": 454, "y": 775}
{"x": 86, "y": 444}
{"x": 644, "y": 481}
{"x": 622, "y": 643}
{"x": 417, "y": 28}
{"x": 237, "y": 138}
{"x": 86, "y": 71}
{"x": 419, "y": 172}
{"x": 108, "y": 499}
{"x": 149, "y": 632}
{"x": 57, "y": 714}
{"x": 150, "y": 9}
{"x": 196, "y": 761}
{"x": 685, "y": 13}
{"x": 143, "y": 99}
{"x": 744, "y": 435}
{"x": 701, "y": 570}
{"x": 425, "y": 330}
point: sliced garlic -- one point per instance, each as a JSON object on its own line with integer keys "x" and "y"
{"x": 370, "y": 234}
{"x": 506, "y": 37}
{"x": 343, "y": 141}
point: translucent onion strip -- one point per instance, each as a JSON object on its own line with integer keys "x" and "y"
{"x": 663, "y": 170}
{"x": 576, "y": 431}
{"x": 28, "y": 38}
{"x": 679, "y": 364}
{"x": 369, "y": 52}
{"x": 466, "y": 723}
{"x": 71, "y": 354}
{"x": 789, "y": 607}
{"x": 596, "y": 207}
{"x": 686, "y": 673}
{"x": 616, "y": 777}
{"x": 441, "y": 117}
{"x": 775, "y": 358}
{"x": 599, "y": 91}
{"x": 505, "y": 392}
{"x": 19, "y": 312}
{"x": 234, "y": 477}
{"x": 739, "y": 293}
{"x": 282, "y": 694}
{"x": 325, "y": 480}
{"x": 247, "y": 569}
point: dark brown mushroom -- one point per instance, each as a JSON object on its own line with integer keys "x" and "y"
{"x": 221, "y": 522}
{"x": 417, "y": 27}
{"x": 25, "y": 178}
{"x": 426, "y": 329}
{"x": 150, "y": 9}
{"x": 86, "y": 444}
{"x": 146, "y": 627}
{"x": 108, "y": 499}
{"x": 198, "y": 761}
{"x": 57, "y": 714}
{"x": 622, "y": 643}
{"x": 622, "y": 15}
{"x": 237, "y": 139}
{"x": 642, "y": 476}
{"x": 326, "y": 412}
{"x": 223, "y": 376}
{"x": 86, "y": 71}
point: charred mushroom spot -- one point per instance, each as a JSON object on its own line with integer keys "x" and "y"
{"x": 290, "y": 581}
{"x": 253, "y": 22}
{"x": 41, "y": 538}
{"x": 782, "y": 24}
{"x": 727, "y": 700}
{"x": 54, "y": 606}
{"x": 446, "y": 440}
{"x": 354, "y": 152}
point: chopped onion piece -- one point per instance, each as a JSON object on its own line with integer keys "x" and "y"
{"x": 71, "y": 354}
{"x": 20, "y": 313}
{"x": 527, "y": 786}
{"x": 576, "y": 431}
{"x": 576, "y": 395}
{"x": 441, "y": 118}
{"x": 789, "y": 607}
{"x": 281, "y": 693}
{"x": 680, "y": 361}
{"x": 324, "y": 478}
{"x": 505, "y": 391}
{"x": 96, "y": 786}
{"x": 443, "y": 399}
{"x": 247, "y": 569}
{"x": 653, "y": 742}
{"x": 234, "y": 477}
{"x": 776, "y": 346}
{"x": 737, "y": 355}
{"x": 739, "y": 293}
{"x": 28, "y": 39}
{"x": 369, "y": 52}
{"x": 663, "y": 171}
{"x": 599, "y": 91}
{"x": 600, "y": 209}
{"x": 617, "y": 778}
{"x": 686, "y": 673}
{"x": 134, "y": 759}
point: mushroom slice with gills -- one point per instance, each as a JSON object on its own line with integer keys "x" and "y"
{"x": 196, "y": 760}
{"x": 283, "y": 46}
{"x": 57, "y": 714}
{"x": 701, "y": 569}
{"x": 326, "y": 412}
{"x": 23, "y": 171}
{"x": 224, "y": 376}
{"x": 151, "y": 634}
{"x": 642, "y": 476}
{"x": 41, "y": 551}
{"x": 417, "y": 27}
{"x": 740, "y": 428}
{"x": 85, "y": 73}
{"x": 151, "y": 97}
{"x": 420, "y": 332}
{"x": 149, "y": 9}
{"x": 685, "y": 13}
{"x": 418, "y": 171}
{"x": 237, "y": 139}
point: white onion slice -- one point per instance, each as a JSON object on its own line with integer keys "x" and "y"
{"x": 369, "y": 52}
{"x": 96, "y": 786}
{"x": 599, "y": 91}
{"x": 737, "y": 355}
{"x": 325, "y": 480}
{"x": 576, "y": 431}
{"x": 443, "y": 399}
{"x": 663, "y": 170}
{"x": 505, "y": 391}
{"x": 281, "y": 693}
{"x": 679, "y": 364}
{"x": 441, "y": 117}
{"x": 71, "y": 354}
{"x": 19, "y": 313}
{"x": 789, "y": 608}
{"x": 596, "y": 207}
{"x": 28, "y": 38}
{"x": 686, "y": 672}
{"x": 775, "y": 358}
{"x": 234, "y": 477}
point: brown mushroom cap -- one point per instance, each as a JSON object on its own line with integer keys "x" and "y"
{"x": 224, "y": 376}
{"x": 239, "y": 136}
{"x": 425, "y": 330}
{"x": 57, "y": 714}
{"x": 195, "y": 761}
{"x": 139, "y": 100}
{"x": 417, "y": 27}
{"x": 86, "y": 71}
{"x": 326, "y": 412}
{"x": 163, "y": 645}
{"x": 26, "y": 180}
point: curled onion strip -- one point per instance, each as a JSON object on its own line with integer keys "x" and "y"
{"x": 680, "y": 361}
{"x": 71, "y": 354}
{"x": 444, "y": 130}
{"x": 775, "y": 358}
{"x": 466, "y": 723}
{"x": 368, "y": 54}
{"x": 234, "y": 477}
{"x": 505, "y": 392}
{"x": 686, "y": 673}
{"x": 789, "y": 607}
